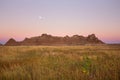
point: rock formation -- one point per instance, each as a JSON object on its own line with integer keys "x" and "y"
{"x": 46, "y": 39}
{"x": 0, "y": 44}
{"x": 11, "y": 42}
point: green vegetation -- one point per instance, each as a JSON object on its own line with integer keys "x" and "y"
{"x": 60, "y": 62}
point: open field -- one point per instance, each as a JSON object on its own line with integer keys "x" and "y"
{"x": 60, "y": 62}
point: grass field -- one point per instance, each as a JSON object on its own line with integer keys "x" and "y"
{"x": 60, "y": 62}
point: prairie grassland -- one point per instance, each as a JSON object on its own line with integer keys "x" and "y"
{"x": 60, "y": 62}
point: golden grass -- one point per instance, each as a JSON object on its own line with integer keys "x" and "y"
{"x": 60, "y": 62}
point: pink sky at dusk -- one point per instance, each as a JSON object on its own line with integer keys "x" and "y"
{"x": 28, "y": 18}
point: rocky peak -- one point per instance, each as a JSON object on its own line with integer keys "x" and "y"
{"x": 66, "y": 37}
{"x": 75, "y": 36}
{"x": 11, "y": 42}
{"x": 26, "y": 39}
{"x": 45, "y": 35}
{"x": 93, "y": 39}
{"x": 92, "y": 36}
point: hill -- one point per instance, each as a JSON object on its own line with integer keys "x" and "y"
{"x": 46, "y": 39}
{"x": 0, "y": 44}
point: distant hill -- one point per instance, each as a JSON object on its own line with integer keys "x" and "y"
{"x": 0, "y": 44}
{"x": 46, "y": 39}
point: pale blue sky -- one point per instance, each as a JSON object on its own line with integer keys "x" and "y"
{"x": 21, "y": 18}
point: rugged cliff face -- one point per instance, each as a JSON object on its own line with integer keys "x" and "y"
{"x": 46, "y": 39}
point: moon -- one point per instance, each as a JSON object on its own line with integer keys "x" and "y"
{"x": 40, "y": 17}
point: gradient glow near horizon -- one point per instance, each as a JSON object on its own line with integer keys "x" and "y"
{"x": 28, "y": 18}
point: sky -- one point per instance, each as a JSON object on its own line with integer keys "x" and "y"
{"x": 28, "y": 18}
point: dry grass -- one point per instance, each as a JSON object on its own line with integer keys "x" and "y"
{"x": 60, "y": 62}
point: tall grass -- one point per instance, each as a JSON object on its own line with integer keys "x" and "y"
{"x": 59, "y": 63}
